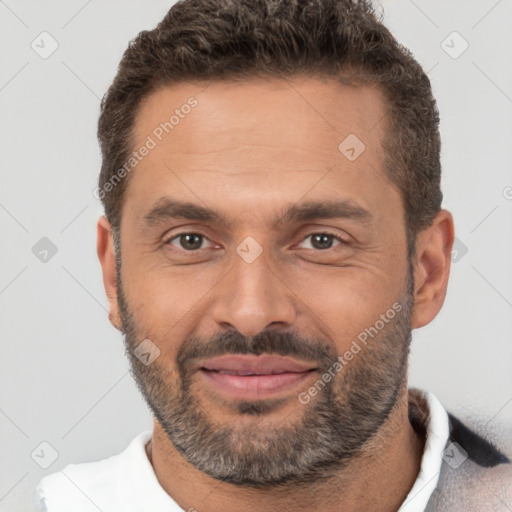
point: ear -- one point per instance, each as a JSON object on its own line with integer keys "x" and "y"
{"x": 432, "y": 268}
{"x": 105, "y": 250}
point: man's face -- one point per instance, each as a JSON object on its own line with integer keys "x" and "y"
{"x": 264, "y": 282}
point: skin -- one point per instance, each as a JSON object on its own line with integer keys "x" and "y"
{"x": 235, "y": 153}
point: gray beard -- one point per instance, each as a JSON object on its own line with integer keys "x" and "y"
{"x": 334, "y": 428}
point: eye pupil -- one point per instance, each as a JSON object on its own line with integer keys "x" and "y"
{"x": 324, "y": 241}
{"x": 191, "y": 241}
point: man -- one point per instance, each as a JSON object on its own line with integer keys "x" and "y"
{"x": 273, "y": 232}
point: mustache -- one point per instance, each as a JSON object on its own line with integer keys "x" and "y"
{"x": 267, "y": 342}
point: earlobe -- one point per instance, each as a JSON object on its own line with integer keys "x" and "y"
{"x": 432, "y": 268}
{"x": 105, "y": 251}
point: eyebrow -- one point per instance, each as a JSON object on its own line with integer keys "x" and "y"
{"x": 171, "y": 209}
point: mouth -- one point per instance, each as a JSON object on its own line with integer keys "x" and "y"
{"x": 267, "y": 364}
{"x": 255, "y": 377}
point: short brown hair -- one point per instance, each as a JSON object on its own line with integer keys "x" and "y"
{"x": 239, "y": 39}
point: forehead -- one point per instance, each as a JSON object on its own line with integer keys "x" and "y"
{"x": 317, "y": 109}
{"x": 276, "y": 139}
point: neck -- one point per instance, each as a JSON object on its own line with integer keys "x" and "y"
{"x": 379, "y": 479}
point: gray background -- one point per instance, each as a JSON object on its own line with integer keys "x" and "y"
{"x": 63, "y": 374}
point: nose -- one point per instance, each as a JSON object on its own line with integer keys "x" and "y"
{"x": 253, "y": 297}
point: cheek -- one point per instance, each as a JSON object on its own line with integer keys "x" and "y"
{"x": 165, "y": 300}
{"x": 343, "y": 302}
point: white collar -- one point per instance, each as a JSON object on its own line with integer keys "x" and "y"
{"x": 437, "y": 433}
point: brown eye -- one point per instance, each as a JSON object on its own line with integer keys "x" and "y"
{"x": 322, "y": 241}
{"x": 187, "y": 241}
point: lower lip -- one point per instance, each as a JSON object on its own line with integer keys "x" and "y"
{"x": 254, "y": 386}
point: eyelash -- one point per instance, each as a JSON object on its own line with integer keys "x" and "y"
{"x": 177, "y": 235}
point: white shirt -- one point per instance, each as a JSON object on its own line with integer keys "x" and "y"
{"x": 127, "y": 482}
{"x": 438, "y": 431}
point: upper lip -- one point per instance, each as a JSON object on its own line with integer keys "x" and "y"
{"x": 259, "y": 365}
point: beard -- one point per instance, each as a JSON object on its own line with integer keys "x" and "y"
{"x": 260, "y": 452}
